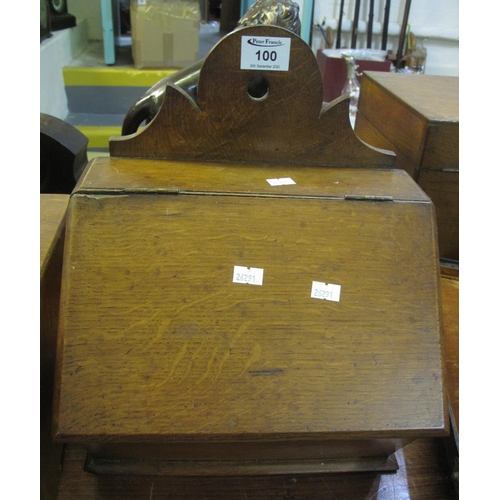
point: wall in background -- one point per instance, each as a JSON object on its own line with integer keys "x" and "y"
{"x": 90, "y": 10}
{"x": 435, "y": 22}
{"x": 55, "y": 53}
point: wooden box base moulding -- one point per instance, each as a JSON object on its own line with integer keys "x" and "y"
{"x": 243, "y": 458}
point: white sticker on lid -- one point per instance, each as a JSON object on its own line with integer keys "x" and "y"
{"x": 248, "y": 275}
{"x": 323, "y": 291}
{"x": 282, "y": 181}
{"x": 265, "y": 53}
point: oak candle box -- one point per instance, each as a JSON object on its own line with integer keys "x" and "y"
{"x": 168, "y": 363}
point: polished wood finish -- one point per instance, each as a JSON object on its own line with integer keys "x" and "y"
{"x": 288, "y": 125}
{"x": 52, "y": 223}
{"x": 158, "y": 346}
{"x": 166, "y": 366}
{"x": 450, "y": 291}
{"x": 424, "y": 471}
{"x": 450, "y": 297}
{"x": 416, "y": 116}
{"x": 131, "y": 175}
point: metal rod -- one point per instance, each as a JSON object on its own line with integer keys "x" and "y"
{"x": 402, "y": 35}
{"x": 385, "y": 28}
{"x": 339, "y": 28}
{"x": 370, "y": 25}
{"x": 355, "y": 21}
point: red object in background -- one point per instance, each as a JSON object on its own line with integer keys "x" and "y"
{"x": 334, "y": 73}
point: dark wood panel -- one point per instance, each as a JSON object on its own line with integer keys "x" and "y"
{"x": 423, "y": 475}
{"x": 286, "y": 123}
{"x": 418, "y": 114}
{"x": 443, "y": 189}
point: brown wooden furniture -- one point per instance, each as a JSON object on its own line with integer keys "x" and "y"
{"x": 416, "y": 116}
{"x": 63, "y": 155}
{"x": 450, "y": 294}
{"x": 423, "y": 474}
{"x": 52, "y": 223}
{"x": 174, "y": 359}
{"x": 273, "y": 117}
{"x": 161, "y": 346}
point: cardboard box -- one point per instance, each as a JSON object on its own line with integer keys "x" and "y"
{"x": 165, "y": 33}
{"x": 334, "y": 70}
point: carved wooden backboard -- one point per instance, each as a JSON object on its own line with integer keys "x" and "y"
{"x": 260, "y": 114}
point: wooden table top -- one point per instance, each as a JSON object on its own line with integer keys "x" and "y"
{"x": 435, "y": 97}
{"x": 52, "y": 212}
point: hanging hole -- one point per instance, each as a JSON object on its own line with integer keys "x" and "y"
{"x": 258, "y": 88}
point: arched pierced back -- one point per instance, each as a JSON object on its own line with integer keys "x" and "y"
{"x": 262, "y": 114}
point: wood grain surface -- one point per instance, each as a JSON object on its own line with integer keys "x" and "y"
{"x": 418, "y": 114}
{"x": 52, "y": 224}
{"x": 444, "y": 190}
{"x": 136, "y": 175}
{"x": 416, "y": 117}
{"x": 52, "y": 221}
{"x": 288, "y": 124}
{"x": 424, "y": 471}
{"x": 451, "y": 302}
{"x": 158, "y": 344}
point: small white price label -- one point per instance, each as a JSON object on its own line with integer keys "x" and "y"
{"x": 282, "y": 181}
{"x": 323, "y": 291}
{"x": 248, "y": 275}
{"x": 265, "y": 53}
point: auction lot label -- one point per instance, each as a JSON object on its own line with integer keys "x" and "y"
{"x": 265, "y": 53}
